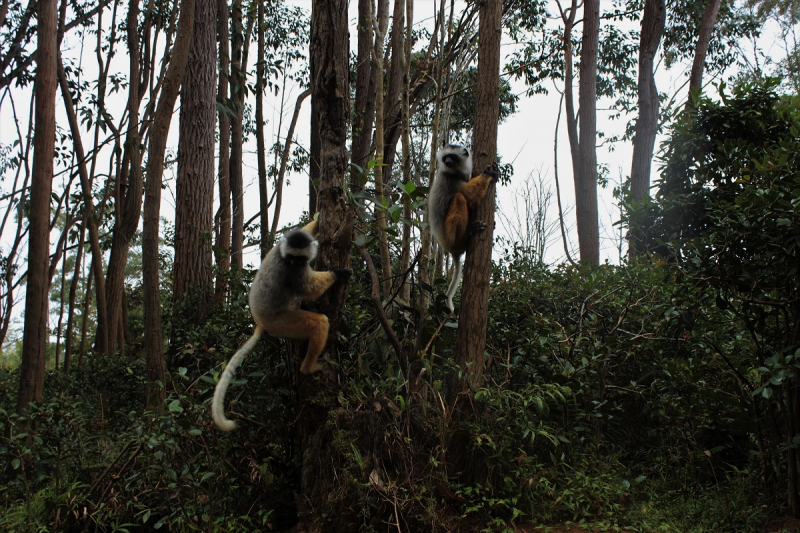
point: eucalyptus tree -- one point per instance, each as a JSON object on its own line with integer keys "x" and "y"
{"x": 34, "y": 340}
{"x": 192, "y": 275}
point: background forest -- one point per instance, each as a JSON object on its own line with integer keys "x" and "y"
{"x": 657, "y": 391}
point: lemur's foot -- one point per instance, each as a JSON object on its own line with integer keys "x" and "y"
{"x": 493, "y": 171}
{"x": 477, "y": 227}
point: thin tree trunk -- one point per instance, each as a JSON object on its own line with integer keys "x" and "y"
{"x": 380, "y": 24}
{"x": 426, "y": 243}
{"x": 87, "y": 303}
{"x": 405, "y": 56}
{"x": 60, "y": 324}
{"x": 238, "y": 81}
{"x": 392, "y": 109}
{"x": 153, "y": 335}
{"x": 34, "y": 339}
{"x": 223, "y": 217}
{"x": 129, "y": 198}
{"x": 287, "y": 147}
{"x": 260, "y": 144}
{"x": 364, "y": 106}
{"x": 701, "y": 48}
{"x": 586, "y": 172}
{"x": 471, "y": 337}
{"x": 644, "y": 137}
{"x": 73, "y": 291}
{"x": 94, "y": 233}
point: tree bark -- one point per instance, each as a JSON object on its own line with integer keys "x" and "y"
{"x": 586, "y": 172}
{"x": 238, "y": 81}
{"x": 329, "y": 71}
{"x": 129, "y": 199}
{"x": 381, "y": 23}
{"x": 223, "y": 216}
{"x": 73, "y": 290}
{"x": 364, "y": 106}
{"x": 153, "y": 335}
{"x": 405, "y": 57}
{"x": 701, "y": 48}
{"x": 35, "y": 335}
{"x": 261, "y": 145}
{"x": 474, "y": 314}
{"x": 644, "y": 137}
{"x": 191, "y": 278}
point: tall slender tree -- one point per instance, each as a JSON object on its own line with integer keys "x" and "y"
{"x": 238, "y": 79}
{"x": 474, "y": 313}
{"x": 329, "y": 73}
{"x": 653, "y": 19}
{"x": 222, "y": 224}
{"x": 35, "y": 335}
{"x": 192, "y": 275}
{"x": 153, "y": 334}
{"x": 704, "y": 33}
{"x": 585, "y": 175}
{"x": 129, "y": 193}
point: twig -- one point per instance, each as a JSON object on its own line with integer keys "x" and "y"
{"x": 376, "y": 301}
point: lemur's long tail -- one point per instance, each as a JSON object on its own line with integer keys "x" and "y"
{"x": 451, "y": 290}
{"x": 218, "y": 403}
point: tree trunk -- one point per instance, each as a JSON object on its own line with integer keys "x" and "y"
{"x": 328, "y": 60}
{"x": 285, "y": 159}
{"x": 35, "y": 335}
{"x": 153, "y": 335}
{"x": 701, "y": 48}
{"x": 644, "y": 137}
{"x": 586, "y": 172}
{"x": 364, "y": 106}
{"x": 380, "y": 24}
{"x": 405, "y": 56}
{"x": 223, "y": 217}
{"x": 471, "y": 338}
{"x": 73, "y": 290}
{"x": 191, "y": 279}
{"x": 238, "y": 81}
{"x": 86, "y": 188}
{"x": 261, "y": 145}
{"x": 129, "y": 199}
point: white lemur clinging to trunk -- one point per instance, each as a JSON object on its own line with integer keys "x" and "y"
{"x": 449, "y": 202}
{"x": 283, "y": 281}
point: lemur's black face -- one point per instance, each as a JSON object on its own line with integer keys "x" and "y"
{"x": 455, "y": 156}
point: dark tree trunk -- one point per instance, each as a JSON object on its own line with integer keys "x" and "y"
{"x": 586, "y": 173}
{"x": 474, "y": 314}
{"x": 238, "y": 81}
{"x": 73, "y": 290}
{"x": 328, "y": 59}
{"x": 223, "y": 217}
{"x": 261, "y": 145}
{"x": 191, "y": 279}
{"x": 364, "y": 106}
{"x": 34, "y": 339}
{"x": 644, "y": 138}
{"x": 129, "y": 200}
{"x": 701, "y": 48}
{"x": 153, "y": 335}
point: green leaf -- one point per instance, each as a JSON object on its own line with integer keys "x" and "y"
{"x": 15, "y": 463}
